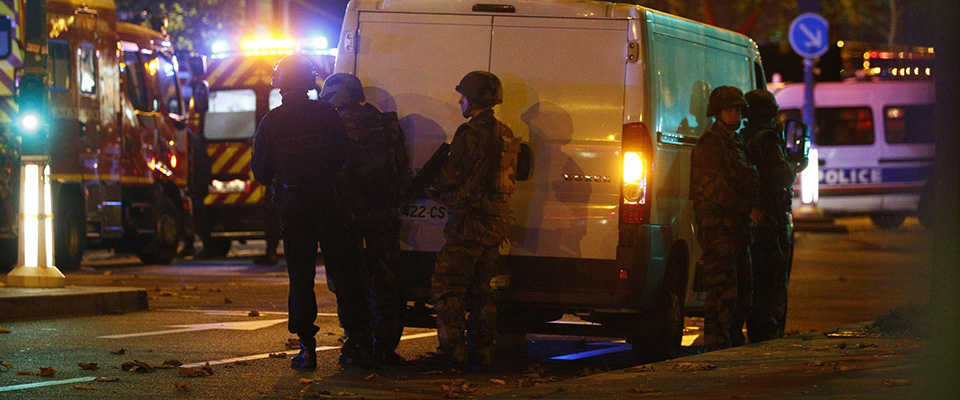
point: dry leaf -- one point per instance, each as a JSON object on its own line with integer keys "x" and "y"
{"x": 227, "y": 300}
{"x": 118, "y": 351}
{"x": 4, "y": 330}
{"x": 189, "y": 296}
{"x": 90, "y": 366}
{"x": 136, "y": 366}
{"x": 26, "y": 372}
{"x": 293, "y": 343}
{"x": 278, "y": 355}
{"x": 172, "y": 363}
{"x": 182, "y": 387}
{"x": 105, "y": 379}
{"x": 107, "y": 272}
{"x": 5, "y": 366}
{"x": 253, "y": 313}
{"x": 47, "y": 371}
{"x": 897, "y": 382}
{"x": 308, "y": 381}
{"x": 372, "y": 377}
{"x": 498, "y": 381}
{"x": 640, "y": 368}
{"x": 194, "y": 372}
{"x": 83, "y": 387}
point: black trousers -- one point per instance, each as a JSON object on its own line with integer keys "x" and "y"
{"x": 310, "y": 220}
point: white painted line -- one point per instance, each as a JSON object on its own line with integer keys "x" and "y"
{"x": 236, "y": 326}
{"x": 234, "y": 312}
{"x": 689, "y": 339}
{"x": 576, "y": 356}
{"x": 266, "y": 355}
{"x": 563, "y": 322}
{"x": 47, "y": 383}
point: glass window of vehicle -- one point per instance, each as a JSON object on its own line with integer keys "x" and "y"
{"x": 135, "y": 82}
{"x": 168, "y": 83}
{"x": 908, "y": 124}
{"x": 58, "y": 62}
{"x": 232, "y": 115}
{"x": 847, "y": 126}
{"x": 87, "y": 62}
{"x": 275, "y": 98}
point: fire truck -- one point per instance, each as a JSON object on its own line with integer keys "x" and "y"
{"x": 240, "y": 94}
{"x": 115, "y": 125}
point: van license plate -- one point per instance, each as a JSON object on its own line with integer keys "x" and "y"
{"x": 417, "y": 212}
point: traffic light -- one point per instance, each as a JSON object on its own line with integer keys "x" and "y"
{"x": 32, "y": 118}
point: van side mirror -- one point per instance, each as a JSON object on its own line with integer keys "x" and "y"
{"x": 201, "y": 96}
{"x": 796, "y": 135}
{"x": 6, "y": 37}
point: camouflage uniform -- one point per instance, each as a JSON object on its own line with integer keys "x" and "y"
{"x": 723, "y": 187}
{"x": 370, "y": 187}
{"x": 772, "y": 245}
{"x": 476, "y": 180}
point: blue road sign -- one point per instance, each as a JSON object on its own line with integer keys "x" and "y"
{"x": 808, "y": 35}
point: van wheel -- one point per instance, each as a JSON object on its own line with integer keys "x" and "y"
{"x": 216, "y": 247}
{"x": 658, "y": 334}
{"x": 887, "y": 220}
{"x": 161, "y": 247}
{"x": 70, "y": 231}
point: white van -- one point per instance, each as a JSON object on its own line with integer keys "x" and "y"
{"x": 875, "y": 145}
{"x": 586, "y": 85}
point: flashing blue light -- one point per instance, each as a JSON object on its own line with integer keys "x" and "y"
{"x": 220, "y": 46}
{"x": 320, "y": 43}
{"x": 30, "y": 123}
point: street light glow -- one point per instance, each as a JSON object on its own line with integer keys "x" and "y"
{"x": 30, "y": 122}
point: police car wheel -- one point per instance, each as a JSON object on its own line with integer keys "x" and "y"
{"x": 161, "y": 247}
{"x": 887, "y": 220}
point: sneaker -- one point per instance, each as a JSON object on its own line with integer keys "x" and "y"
{"x": 307, "y": 359}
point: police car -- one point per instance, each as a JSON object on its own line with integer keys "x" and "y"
{"x": 875, "y": 145}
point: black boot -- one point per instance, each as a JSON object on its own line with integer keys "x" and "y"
{"x": 354, "y": 353}
{"x": 307, "y": 359}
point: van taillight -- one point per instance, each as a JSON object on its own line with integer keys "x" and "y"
{"x": 637, "y": 162}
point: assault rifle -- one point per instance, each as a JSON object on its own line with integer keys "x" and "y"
{"x": 431, "y": 168}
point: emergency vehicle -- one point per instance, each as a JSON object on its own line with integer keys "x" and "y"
{"x": 609, "y": 100}
{"x": 875, "y": 142}
{"x": 238, "y": 207}
{"x": 116, "y": 131}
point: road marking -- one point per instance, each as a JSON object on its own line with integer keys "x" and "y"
{"x": 237, "y": 313}
{"x": 42, "y": 384}
{"x": 266, "y": 355}
{"x": 236, "y": 326}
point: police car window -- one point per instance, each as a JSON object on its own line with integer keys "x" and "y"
{"x": 232, "y": 115}
{"x": 275, "y": 98}
{"x": 58, "y": 62}
{"x": 133, "y": 77}
{"x": 843, "y": 126}
{"x": 87, "y": 70}
{"x": 167, "y": 79}
{"x": 908, "y": 124}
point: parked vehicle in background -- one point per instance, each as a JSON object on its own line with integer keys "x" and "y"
{"x": 875, "y": 142}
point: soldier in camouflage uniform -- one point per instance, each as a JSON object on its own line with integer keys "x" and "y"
{"x": 723, "y": 187}
{"x": 370, "y": 188}
{"x": 772, "y": 244}
{"x": 476, "y": 180}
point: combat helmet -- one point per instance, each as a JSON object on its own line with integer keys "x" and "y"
{"x": 725, "y": 97}
{"x": 761, "y": 104}
{"x": 341, "y": 89}
{"x": 481, "y": 88}
{"x": 294, "y": 73}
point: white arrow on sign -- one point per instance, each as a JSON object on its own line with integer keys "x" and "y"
{"x": 814, "y": 40}
{"x": 235, "y": 326}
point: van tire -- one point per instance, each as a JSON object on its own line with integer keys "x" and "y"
{"x": 70, "y": 232}
{"x": 161, "y": 247}
{"x": 660, "y": 331}
{"x": 887, "y": 220}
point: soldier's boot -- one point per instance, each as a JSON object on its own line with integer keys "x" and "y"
{"x": 480, "y": 359}
{"x": 307, "y": 359}
{"x": 450, "y": 355}
{"x": 357, "y": 351}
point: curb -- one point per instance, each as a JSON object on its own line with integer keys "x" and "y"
{"x": 24, "y": 304}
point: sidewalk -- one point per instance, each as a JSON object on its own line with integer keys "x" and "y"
{"x": 17, "y": 303}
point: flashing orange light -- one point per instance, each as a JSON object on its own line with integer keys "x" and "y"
{"x": 152, "y": 164}
{"x": 173, "y": 161}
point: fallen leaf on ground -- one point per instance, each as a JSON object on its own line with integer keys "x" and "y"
{"x": 171, "y": 363}
{"x": 47, "y": 371}
{"x": 195, "y": 372}
{"x": 4, "y": 330}
{"x": 182, "y": 387}
{"x": 107, "y": 272}
{"x": 118, "y": 351}
{"x": 897, "y": 382}
{"x": 227, "y": 300}
{"x": 278, "y": 355}
{"x": 644, "y": 389}
{"x": 5, "y": 366}
{"x": 105, "y": 379}
{"x": 189, "y": 297}
{"x": 640, "y": 368}
{"x": 372, "y": 377}
{"x": 308, "y": 381}
{"x": 293, "y": 343}
{"x": 136, "y": 366}
{"x": 253, "y": 313}
{"x": 83, "y": 387}
{"x": 26, "y": 372}
{"x": 498, "y": 381}
{"x": 90, "y": 366}
{"x": 689, "y": 366}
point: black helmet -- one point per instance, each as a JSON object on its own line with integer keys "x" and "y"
{"x": 341, "y": 89}
{"x": 725, "y": 97}
{"x": 761, "y": 104}
{"x": 295, "y": 73}
{"x": 481, "y": 88}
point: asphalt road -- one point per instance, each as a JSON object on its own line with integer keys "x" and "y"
{"x": 231, "y": 314}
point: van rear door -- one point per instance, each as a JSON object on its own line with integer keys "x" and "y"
{"x": 906, "y": 146}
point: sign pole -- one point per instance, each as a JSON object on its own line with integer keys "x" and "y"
{"x": 809, "y": 39}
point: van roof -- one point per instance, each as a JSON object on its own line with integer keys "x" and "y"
{"x": 559, "y": 8}
{"x": 858, "y": 93}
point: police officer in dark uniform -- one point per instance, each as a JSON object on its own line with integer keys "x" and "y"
{"x": 476, "y": 181}
{"x": 371, "y": 183}
{"x": 723, "y": 187}
{"x": 299, "y": 148}
{"x": 772, "y": 245}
